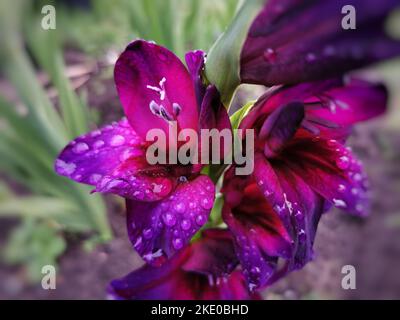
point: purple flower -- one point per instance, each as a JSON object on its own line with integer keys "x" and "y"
{"x": 301, "y": 169}
{"x": 202, "y": 271}
{"x": 293, "y": 41}
{"x": 167, "y": 204}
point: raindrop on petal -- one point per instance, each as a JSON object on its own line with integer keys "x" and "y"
{"x": 343, "y": 162}
{"x": 117, "y": 140}
{"x": 80, "y": 147}
{"x": 200, "y": 220}
{"x": 169, "y": 219}
{"x": 148, "y": 233}
{"x": 180, "y": 207}
{"x": 185, "y": 224}
{"x": 177, "y": 243}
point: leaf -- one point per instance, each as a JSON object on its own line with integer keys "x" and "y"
{"x": 238, "y": 116}
{"x": 223, "y": 61}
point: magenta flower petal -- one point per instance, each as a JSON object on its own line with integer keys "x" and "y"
{"x": 295, "y": 41}
{"x": 331, "y": 106}
{"x": 294, "y": 201}
{"x": 269, "y": 184}
{"x": 155, "y": 88}
{"x": 113, "y": 160}
{"x": 260, "y": 236}
{"x": 305, "y": 207}
{"x": 330, "y": 169}
{"x": 185, "y": 276}
{"x": 212, "y": 113}
{"x": 195, "y": 61}
{"x": 281, "y": 126}
{"x": 159, "y": 229}
{"x": 353, "y": 102}
{"x": 203, "y": 258}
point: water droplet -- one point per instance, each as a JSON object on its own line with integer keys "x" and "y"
{"x": 117, "y": 140}
{"x": 299, "y": 215}
{"x": 180, "y": 207}
{"x": 341, "y": 188}
{"x": 192, "y": 205}
{"x": 329, "y": 51}
{"x": 185, "y": 224}
{"x": 169, "y": 219}
{"x": 177, "y": 243}
{"x": 138, "y": 194}
{"x": 80, "y": 147}
{"x": 157, "y": 188}
{"x": 357, "y": 177}
{"x": 343, "y": 162}
{"x": 98, "y": 144}
{"x": 182, "y": 179}
{"x": 311, "y": 57}
{"x": 354, "y": 191}
{"x": 210, "y": 279}
{"x": 332, "y": 143}
{"x": 94, "y": 178}
{"x": 206, "y": 203}
{"x": 270, "y": 55}
{"x": 148, "y": 233}
{"x": 255, "y": 270}
{"x": 156, "y": 258}
{"x": 339, "y": 203}
{"x": 252, "y": 286}
{"x": 95, "y": 133}
{"x": 64, "y": 167}
{"x": 128, "y": 153}
{"x": 138, "y": 242}
{"x": 302, "y": 235}
{"x": 77, "y": 177}
{"x": 200, "y": 220}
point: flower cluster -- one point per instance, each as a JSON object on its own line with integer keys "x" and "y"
{"x": 268, "y": 221}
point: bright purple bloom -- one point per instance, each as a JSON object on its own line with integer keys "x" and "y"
{"x": 202, "y": 271}
{"x": 292, "y": 41}
{"x": 301, "y": 169}
{"x": 167, "y": 204}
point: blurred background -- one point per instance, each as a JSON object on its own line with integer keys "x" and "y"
{"x": 57, "y": 84}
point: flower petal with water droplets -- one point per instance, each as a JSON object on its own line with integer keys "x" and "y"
{"x": 113, "y": 160}
{"x": 159, "y": 229}
{"x": 148, "y": 75}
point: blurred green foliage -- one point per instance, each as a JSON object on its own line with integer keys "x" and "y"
{"x": 179, "y": 25}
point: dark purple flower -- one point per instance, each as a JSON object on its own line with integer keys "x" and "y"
{"x": 291, "y": 41}
{"x": 301, "y": 168}
{"x": 203, "y": 270}
{"x": 167, "y": 204}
